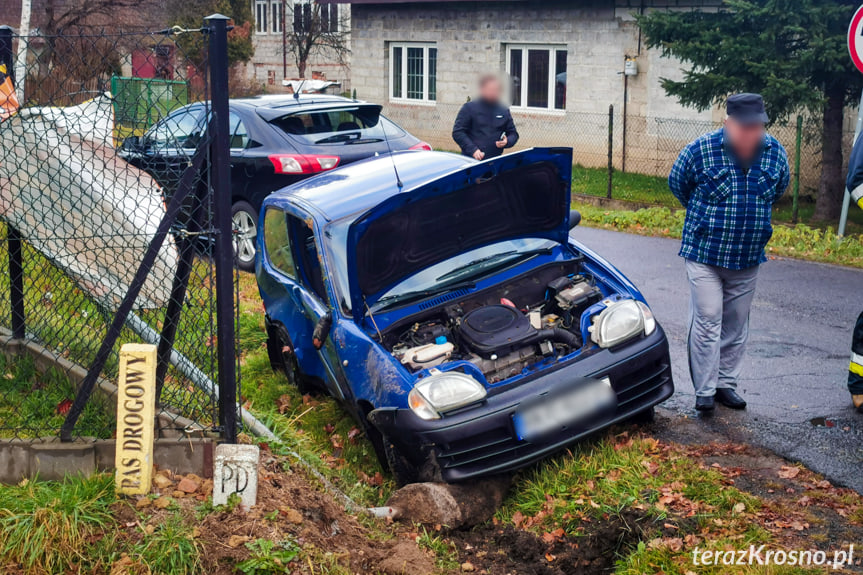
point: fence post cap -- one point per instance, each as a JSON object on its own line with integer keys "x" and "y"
{"x": 7, "y": 28}
{"x": 217, "y": 16}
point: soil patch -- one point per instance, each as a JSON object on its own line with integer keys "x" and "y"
{"x": 505, "y": 550}
{"x": 290, "y": 507}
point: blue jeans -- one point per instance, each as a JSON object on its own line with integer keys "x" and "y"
{"x": 718, "y": 324}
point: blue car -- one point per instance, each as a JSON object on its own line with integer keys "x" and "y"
{"x": 443, "y": 302}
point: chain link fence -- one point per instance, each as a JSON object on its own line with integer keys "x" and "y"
{"x": 110, "y": 231}
{"x": 633, "y": 145}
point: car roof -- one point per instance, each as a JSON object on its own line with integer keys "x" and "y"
{"x": 355, "y": 188}
{"x": 289, "y": 101}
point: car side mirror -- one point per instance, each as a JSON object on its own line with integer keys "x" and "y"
{"x": 132, "y": 143}
{"x": 322, "y": 330}
{"x": 574, "y": 219}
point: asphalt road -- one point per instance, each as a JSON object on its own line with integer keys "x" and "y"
{"x": 797, "y": 358}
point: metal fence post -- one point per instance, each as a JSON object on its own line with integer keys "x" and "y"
{"x": 13, "y": 238}
{"x": 610, "y": 150}
{"x": 795, "y": 203}
{"x": 220, "y": 161}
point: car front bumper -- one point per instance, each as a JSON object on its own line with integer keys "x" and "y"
{"x": 481, "y": 440}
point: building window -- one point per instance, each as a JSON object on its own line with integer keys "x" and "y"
{"x": 261, "y": 16}
{"x": 538, "y": 75}
{"x": 329, "y": 18}
{"x": 413, "y": 72}
{"x": 276, "y": 11}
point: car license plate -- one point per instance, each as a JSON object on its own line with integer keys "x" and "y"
{"x": 577, "y": 406}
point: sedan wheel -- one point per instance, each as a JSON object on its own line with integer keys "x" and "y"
{"x": 245, "y": 222}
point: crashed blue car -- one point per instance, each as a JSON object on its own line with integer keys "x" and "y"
{"x": 443, "y": 302}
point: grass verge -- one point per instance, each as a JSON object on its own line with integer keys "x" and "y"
{"x": 653, "y": 190}
{"x": 801, "y": 241}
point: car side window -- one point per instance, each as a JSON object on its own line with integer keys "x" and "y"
{"x": 239, "y": 133}
{"x": 306, "y": 250}
{"x": 181, "y": 129}
{"x": 277, "y": 242}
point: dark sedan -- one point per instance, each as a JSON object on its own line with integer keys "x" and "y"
{"x": 275, "y": 141}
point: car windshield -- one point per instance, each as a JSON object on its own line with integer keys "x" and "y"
{"x": 455, "y": 271}
{"x": 337, "y": 127}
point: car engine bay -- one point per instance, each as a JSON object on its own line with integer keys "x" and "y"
{"x": 502, "y": 331}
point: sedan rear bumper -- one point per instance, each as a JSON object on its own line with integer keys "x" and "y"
{"x": 481, "y": 440}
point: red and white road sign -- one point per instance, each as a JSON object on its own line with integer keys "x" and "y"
{"x": 855, "y": 39}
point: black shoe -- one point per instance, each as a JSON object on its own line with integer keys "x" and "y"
{"x": 730, "y": 399}
{"x": 704, "y": 403}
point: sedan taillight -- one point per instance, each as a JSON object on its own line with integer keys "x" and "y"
{"x": 303, "y": 163}
{"x": 422, "y": 146}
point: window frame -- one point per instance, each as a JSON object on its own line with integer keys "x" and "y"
{"x": 552, "y": 50}
{"x": 276, "y": 8}
{"x": 403, "y": 98}
{"x": 292, "y": 274}
{"x": 262, "y": 27}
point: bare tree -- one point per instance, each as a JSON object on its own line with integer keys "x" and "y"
{"x": 313, "y": 29}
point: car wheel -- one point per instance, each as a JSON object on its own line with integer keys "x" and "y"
{"x": 245, "y": 220}
{"x": 404, "y": 472}
{"x": 645, "y": 417}
{"x": 280, "y": 350}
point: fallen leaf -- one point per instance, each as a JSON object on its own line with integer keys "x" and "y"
{"x": 467, "y": 566}
{"x": 283, "y": 403}
{"x": 517, "y": 518}
{"x": 353, "y": 434}
{"x": 739, "y": 507}
{"x": 235, "y": 541}
{"x": 788, "y": 472}
{"x": 64, "y": 406}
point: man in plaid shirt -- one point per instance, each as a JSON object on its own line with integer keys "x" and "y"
{"x": 728, "y": 181}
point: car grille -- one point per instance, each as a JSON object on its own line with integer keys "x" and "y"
{"x": 501, "y": 444}
{"x": 497, "y": 443}
{"x": 637, "y": 387}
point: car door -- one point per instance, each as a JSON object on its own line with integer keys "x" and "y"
{"x": 300, "y": 298}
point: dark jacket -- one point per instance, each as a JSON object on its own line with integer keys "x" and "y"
{"x": 854, "y": 183}
{"x": 479, "y": 125}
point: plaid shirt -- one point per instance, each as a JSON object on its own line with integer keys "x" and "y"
{"x": 727, "y": 209}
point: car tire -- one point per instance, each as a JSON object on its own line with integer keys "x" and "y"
{"x": 244, "y": 218}
{"x": 645, "y": 417}
{"x": 404, "y": 472}
{"x": 280, "y": 350}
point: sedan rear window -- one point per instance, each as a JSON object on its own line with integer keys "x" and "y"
{"x": 337, "y": 127}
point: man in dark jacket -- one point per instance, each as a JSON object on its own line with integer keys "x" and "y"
{"x": 484, "y": 127}
{"x": 855, "y": 369}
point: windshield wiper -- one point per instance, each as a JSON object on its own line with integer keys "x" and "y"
{"x": 488, "y": 262}
{"x": 340, "y": 138}
{"x": 408, "y": 297}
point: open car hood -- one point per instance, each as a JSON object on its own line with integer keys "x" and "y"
{"x": 520, "y": 195}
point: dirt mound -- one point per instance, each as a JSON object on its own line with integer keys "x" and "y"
{"x": 291, "y": 507}
{"x": 506, "y": 550}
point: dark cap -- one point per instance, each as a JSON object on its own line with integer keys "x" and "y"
{"x": 747, "y": 108}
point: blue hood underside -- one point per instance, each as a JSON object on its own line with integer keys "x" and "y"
{"x": 520, "y": 195}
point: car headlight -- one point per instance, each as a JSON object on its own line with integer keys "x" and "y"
{"x": 442, "y": 392}
{"x": 622, "y": 321}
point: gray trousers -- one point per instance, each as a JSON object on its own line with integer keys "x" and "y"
{"x": 718, "y": 324}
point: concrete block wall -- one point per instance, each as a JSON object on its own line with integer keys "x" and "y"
{"x": 51, "y": 460}
{"x": 471, "y": 39}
